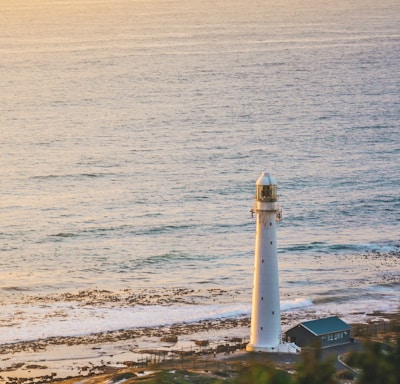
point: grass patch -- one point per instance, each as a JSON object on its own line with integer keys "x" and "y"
{"x": 175, "y": 377}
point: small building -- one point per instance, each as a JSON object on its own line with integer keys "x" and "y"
{"x": 329, "y": 332}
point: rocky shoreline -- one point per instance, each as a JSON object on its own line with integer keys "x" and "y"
{"x": 57, "y": 358}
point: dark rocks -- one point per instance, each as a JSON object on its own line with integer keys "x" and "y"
{"x": 169, "y": 339}
{"x": 202, "y": 343}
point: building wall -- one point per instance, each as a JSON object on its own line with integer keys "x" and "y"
{"x": 335, "y": 338}
{"x": 302, "y": 337}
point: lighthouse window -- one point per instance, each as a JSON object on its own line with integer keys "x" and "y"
{"x": 266, "y": 193}
{"x": 271, "y": 242}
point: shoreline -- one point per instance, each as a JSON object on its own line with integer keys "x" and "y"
{"x": 58, "y": 358}
{"x": 46, "y": 360}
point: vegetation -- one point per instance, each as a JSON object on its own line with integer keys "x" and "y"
{"x": 122, "y": 377}
{"x": 262, "y": 373}
{"x": 312, "y": 369}
{"x": 378, "y": 363}
{"x": 344, "y": 374}
{"x": 175, "y": 377}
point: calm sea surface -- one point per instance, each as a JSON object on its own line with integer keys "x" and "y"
{"x": 131, "y": 136}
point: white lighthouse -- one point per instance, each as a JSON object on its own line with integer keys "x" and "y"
{"x": 265, "y": 334}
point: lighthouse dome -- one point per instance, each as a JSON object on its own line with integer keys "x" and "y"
{"x": 266, "y": 188}
{"x": 266, "y": 179}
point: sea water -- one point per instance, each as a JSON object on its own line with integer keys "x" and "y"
{"x": 131, "y": 136}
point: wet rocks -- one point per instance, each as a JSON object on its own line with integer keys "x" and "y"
{"x": 201, "y": 343}
{"x": 169, "y": 339}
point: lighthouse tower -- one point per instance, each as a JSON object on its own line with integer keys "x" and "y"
{"x": 265, "y": 334}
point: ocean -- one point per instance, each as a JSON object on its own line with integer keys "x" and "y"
{"x": 132, "y": 133}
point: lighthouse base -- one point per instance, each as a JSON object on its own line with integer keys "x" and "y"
{"x": 280, "y": 348}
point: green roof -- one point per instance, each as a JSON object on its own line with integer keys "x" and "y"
{"x": 327, "y": 325}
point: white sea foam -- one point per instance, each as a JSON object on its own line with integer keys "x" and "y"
{"x": 20, "y": 323}
{"x": 34, "y": 322}
{"x": 31, "y": 322}
{"x": 296, "y": 304}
